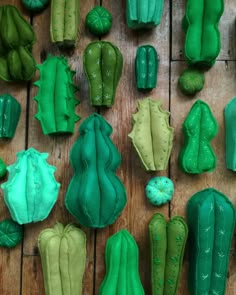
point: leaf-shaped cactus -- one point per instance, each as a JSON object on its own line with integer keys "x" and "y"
{"x": 211, "y": 221}
{"x": 152, "y": 136}
{"x": 31, "y": 190}
{"x": 199, "y": 128}
{"x": 103, "y": 63}
{"x": 146, "y": 67}
{"x": 11, "y": 233}
{"x": 202, "y": 42}
{"x": 95, "y": 196}
{"x": 56, "y": 99}
{"x": 63, "y": 255}
{"x": 10, "y": 110}
{"x": 122, "y": 275}
{"x": 144, "y": 14}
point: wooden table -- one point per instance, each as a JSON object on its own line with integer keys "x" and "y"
{"x": 20, "y": 268}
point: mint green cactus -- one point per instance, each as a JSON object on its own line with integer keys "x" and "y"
{"x": 103, "y": 63}
{"x": 56, "y": 96}
{"x": 121, "y": 258}
{"x": 211, "y": 221}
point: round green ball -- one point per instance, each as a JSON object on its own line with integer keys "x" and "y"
{"x": 35, "y": 5}
{"x": 99, "y": 21}
{"x": 191, "y": 81}
{"x": 159, "y": 190}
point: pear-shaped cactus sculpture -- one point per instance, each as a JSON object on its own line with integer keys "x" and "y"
{"x": 31, "y": 190}
{"x": 95, "y": 196}
{"x": 56, "y": 99}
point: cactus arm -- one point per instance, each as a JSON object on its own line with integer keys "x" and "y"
{"x": 57, "y": 20}
{"x": 141, "y": 68}
{"x": 152, "y": 65}
{"x": 71, "y": 22}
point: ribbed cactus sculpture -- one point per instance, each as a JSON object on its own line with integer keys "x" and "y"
{"x": 103, "y": 63}
{"x": 95, "y": 196}
{"x": 122, "y": 275}
{"x": 56, "y": 96}
{"x": 211, "y": 221}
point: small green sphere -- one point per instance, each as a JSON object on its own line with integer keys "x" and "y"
{"x": 35, "y": 5}
{"x": 3, "y": 168}
{"x": 99, "y": 21}
{"x": 191, "y": 81}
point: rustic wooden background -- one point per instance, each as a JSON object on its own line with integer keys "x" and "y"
{"x": 20, "y": 268}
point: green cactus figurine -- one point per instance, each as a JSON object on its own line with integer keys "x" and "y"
{"x": 191, "y": 81}
{"x": 56, "y": 99}
{"x": 121, "y": 258}
{"x": 99, "y": 21}
{"x": 199, "y": 128}
{"x": 146, "y": 67}
{"x": 103, "y": 63}
{"x": 152, "y": 135}
{"x": 95, "y": 160}
{"x": 11, "y": 233}
{"x": 35, "y": 5}
{"x": 211, "y": 221}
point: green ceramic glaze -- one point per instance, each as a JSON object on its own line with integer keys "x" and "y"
{"x": 63, "y": 255}
{"x": 211, "y": 221}
{"x": 191, "y": 81}
{"x": 99, "y": 21}
{"x": 95, "y": 160}
{"x": 202, "y": 42}
{"x": 31, "y": 190}
{"x": 56, "y": 96}
{"x": 199, "y": 128}
{"x": 11, "y": 233}
{"x": 122, "y": 276}
{"x": 3, "y": 168}
{"x": 152, "y": 135}
{"x": 103, "y": 63}
{"x": 35, "y": 5}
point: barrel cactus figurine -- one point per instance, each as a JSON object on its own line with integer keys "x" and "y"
{"x": 56, "y": 96}
{"x": 35, "y": 5}
{"x": 202, "y": 42}
{"x": 122, "y": 276}
{"x": 152, "y": 135}
{"x": 11, "y": 233}
{"x": 199, "y": 128}
{"x": 10, "y": 111}
{"x": 211, "y": 222}
{"x": 144, "y": 14}
{"x": 146, "y": 67}
{"x": 64, "y": 23}
{"x": 63, "y": 255}
{"x": 31, "y": 190}
{"x": 99, "y": 21}
{"x": 103, "y": 63}
{"x": 95, "y": 160}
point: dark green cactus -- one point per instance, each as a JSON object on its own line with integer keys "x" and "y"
{"x": 95, "y": 160}
{"x": 146, "y": 67}
{"x": 103, "y": 63}
{"x": 211, "y": 221}
{"x": 56, "y": 100}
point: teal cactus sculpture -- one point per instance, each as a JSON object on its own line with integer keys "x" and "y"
{"x": 199, "y": 128}
{"x": 211, "y": 221}
{"x": 121, "y": 256}
{"x": 146, "y": 67}
{"x": 191, "y": 81}
{"x": 144, "y": 14}
{"x": 31, "y": 190}
{"x": 56, "y": 96}
{"x": 202, "y": 42}
{"x": 95, "y": 159}
{"x": 152, "y": 135}
{"x": 11, "y": 233}
{"x": 35, "y": 5}
{"x": 167, "y": 242}
{"x": 99, "y": 21}
{"x": 10, "y": 111}
{"x": 103, "y": 63}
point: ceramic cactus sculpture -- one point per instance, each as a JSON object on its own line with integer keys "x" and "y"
{"x": 95, "y": 159}
{"x": 122, "y": 276}
{"x": 16, "y": 40}
{"x": 64, "y": 22}
{"x": 10, "y": 111}
{"x": 146, "y": 67}
{"x": 103, "y": 63}
{"x": 202, "y": 42}
{"x": 63, "y": 255}
{"x": 167, "y": 242}
{"x": 191, "y": 81}
{"x": 11, "y": 233}
{"x": 31, "y": 190}
{"x": 99, "y": 21}
{"x": 211, "y": 221}
{"x": 56, "y": 96}
{"x": 144, "y": 14}
{"x": 199, "y": 128}
{"x": 35, "y": 5}
{"x": 230, "y": 131}
{"x": 152, "y": 135}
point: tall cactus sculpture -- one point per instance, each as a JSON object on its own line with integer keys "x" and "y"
{"x": 95, "y": 196}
